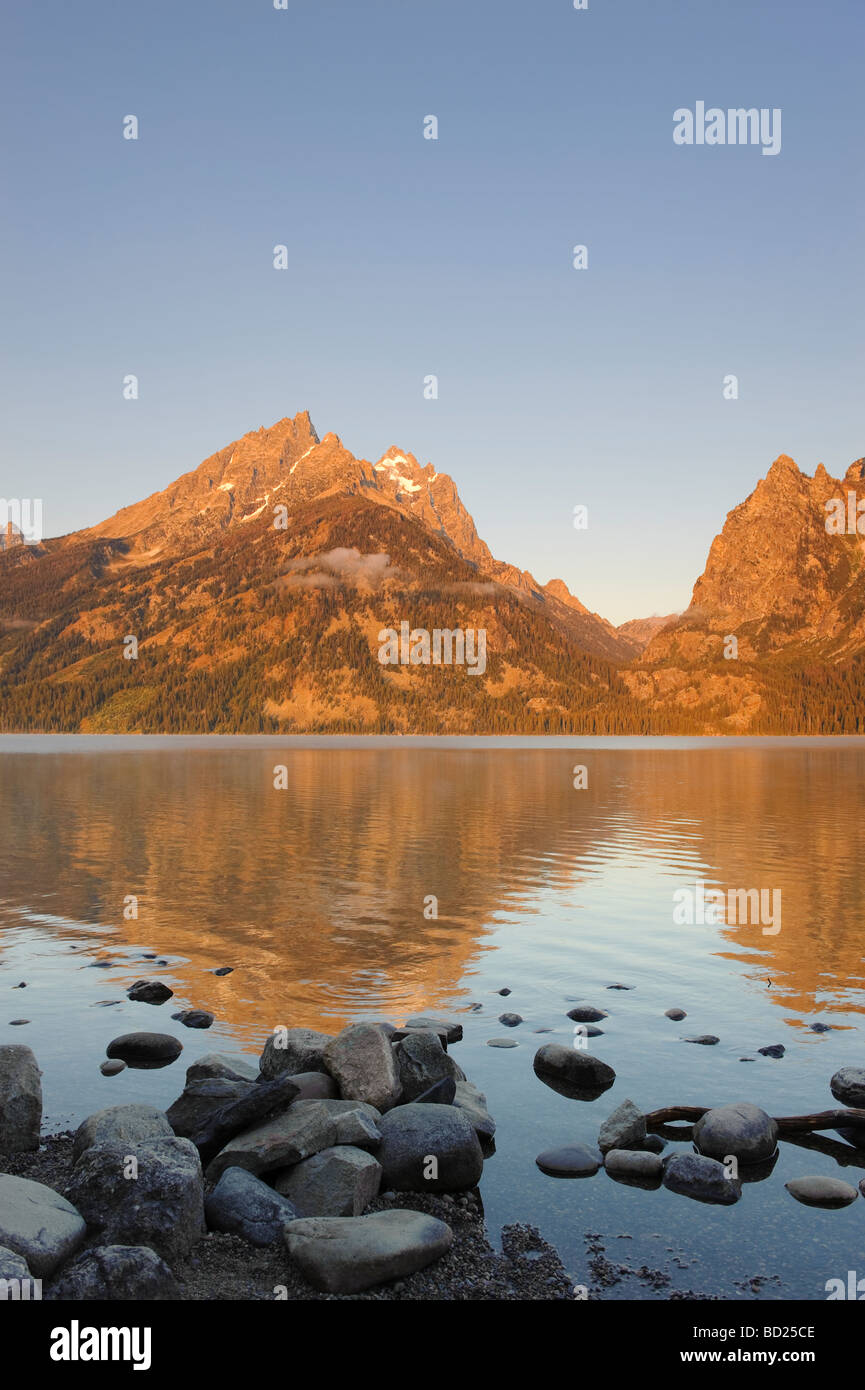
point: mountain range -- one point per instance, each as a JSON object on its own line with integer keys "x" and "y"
{"x": 250, "y": 596}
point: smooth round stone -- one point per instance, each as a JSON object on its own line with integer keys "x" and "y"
{"x": 633, "y": 1163}
{"x": 848, "y": 1086}
{"x": 704, "y": 1039}
{"x": 675, "y": 1014}
{"x": 741, "y": 1129}
{"x": 585, "y": 1013}
{"x": 502, "y": 1042}
{"x": 145, "y": 1050}
{"x": 113, "y": 1067}
{"x": 18, "y": 1022}
{"x": 569, "y": 1161}
{"x": 511, "y": 1020}
{"x": 821, "y": 1192}
{"x": 502, "y": 991}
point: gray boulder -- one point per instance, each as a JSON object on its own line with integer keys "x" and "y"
{"x": 847, "y": 1085}
{"x": 20, "y": 1099}
{"x": 340, "y": 1181}
{"x": 201, "y": 1100}
{"x": 473, "y": 1104}
{"x": 633, "y": 1164}
{"x": 117, "y": 1274}
{"x": 345, "y": 1255}
{"x": 704, "y": 1179}
{"x": 161, "y": 1207}
{"x": 421, "y": 1062}
{"x": 12, "y": 1265}
{"x": 216, "y": 1065}
{"x": 315, "y": 1085}
{"x": 121, "y": 1125}
{"x": 624, "y": 1129}
{"x": 304, "y": 1129}
{"x": 245, "y": 1206}
{"x": 38, "y": 1224}
{"x": 434, "y": 1140}
{"x": 362, "y": 1061}
{"x": 453, "y": 1031}
{"x": 294, "y": 1049}
{"x": 743, "y": 1130}
{"x": 572, "y": 1066}
{"x": 257, "y": 1104}
{"x": 822, "y": 1192}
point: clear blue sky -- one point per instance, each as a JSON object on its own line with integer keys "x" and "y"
{"x": 409, "y": 256}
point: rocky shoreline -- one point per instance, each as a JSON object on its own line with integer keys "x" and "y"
{"x": 345, "y": 1167}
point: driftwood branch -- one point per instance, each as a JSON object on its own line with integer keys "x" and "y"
{"x": 787, "y": 1124}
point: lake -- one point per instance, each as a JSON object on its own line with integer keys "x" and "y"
{"x": 319, "y": 893}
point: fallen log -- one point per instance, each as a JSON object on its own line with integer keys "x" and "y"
{"x": 787, "y": 1124}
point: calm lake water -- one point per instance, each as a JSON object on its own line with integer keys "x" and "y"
{"x": 315, "y": 895}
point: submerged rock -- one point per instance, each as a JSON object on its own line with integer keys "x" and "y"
{"x": 194, "y": 1018}
{"x": 510, "y": 1020}
{"x": 704, "y": 1179}
{"x": 821, "y": 1192}
{"x": 675, "y": 1014}
{"x": 572, "y": 1066}
{"x": 704, "y": 1039}
{"x": 346, "y": 1255}
{"x": 569, "y": 1161}
{"x": 633, "y": 1164}
{"x": 585, "y": 1013}
{"x": 149, "y": 992}
{"x": 774, "y": 1050}
{"x": 502, "y": 1042}
{"x": 743, "y": 1130}
{"x": 847, "y": 1085}
{"x": 145, "y": 1050}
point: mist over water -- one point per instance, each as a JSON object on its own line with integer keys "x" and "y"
{"x": 315, "y": 894}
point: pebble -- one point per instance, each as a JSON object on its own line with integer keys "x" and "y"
{"x": 17, "y": 1022}
{"x": 585, "y": 1013}
{"x": 704, "y": 1039}
{"x": 620, "y": 986}
{"x": 113, "y": 1067}
{"x": 502, "y": 1042}
{"x": 501, "y": 991}
{"x": 223, "y": 970}
{"x": 774, "y": 1050}
{"x": 675, "y": 1014}
{"x": 820, "y": 1027}
{"x": 511, "y": 1020}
